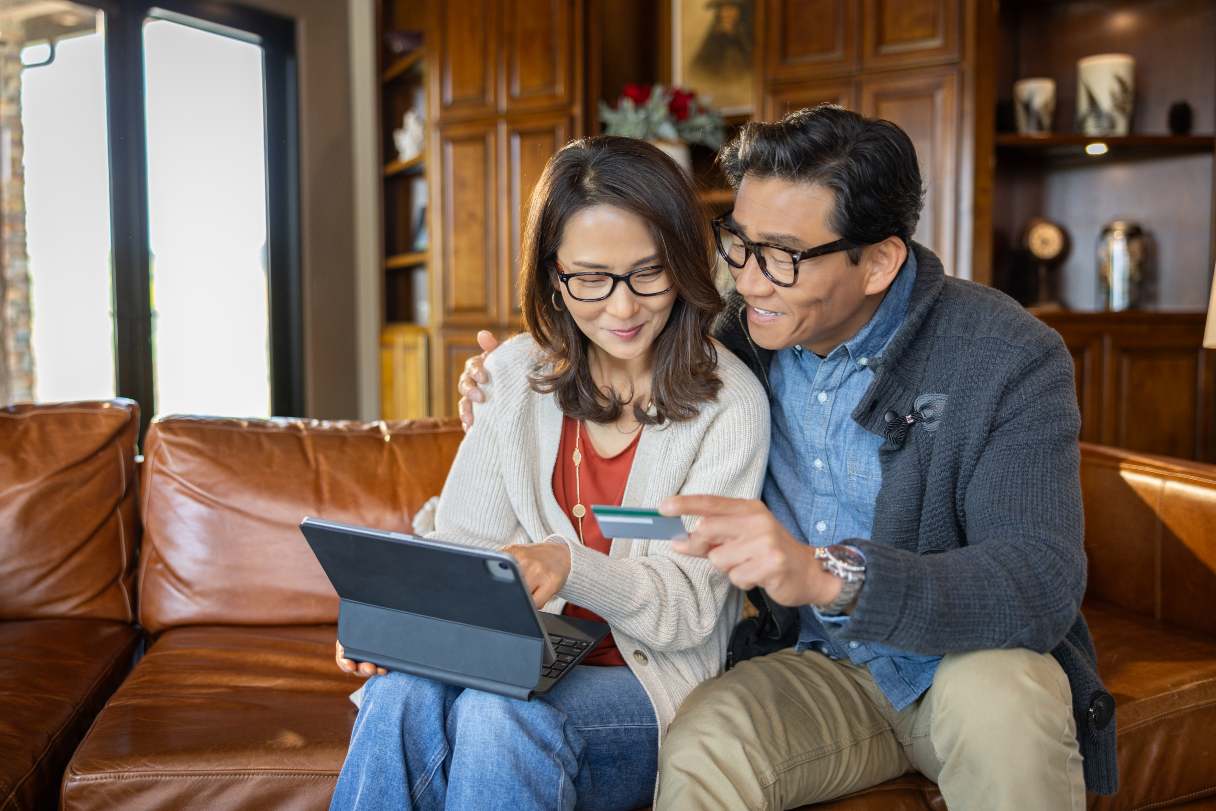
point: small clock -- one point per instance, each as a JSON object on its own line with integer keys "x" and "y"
{"x": 1046, "y": 245}
{"x": 1046, "y": 240}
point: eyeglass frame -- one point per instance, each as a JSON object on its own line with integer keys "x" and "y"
{"x": 749, "y": 250}
{"x": 565, "y": 278}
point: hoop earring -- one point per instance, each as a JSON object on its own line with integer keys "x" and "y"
{"x": 553, "y": 300}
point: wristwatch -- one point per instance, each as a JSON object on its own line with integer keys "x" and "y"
{"x": 847, "y": 563}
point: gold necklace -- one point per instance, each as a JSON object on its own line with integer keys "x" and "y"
{"x": 577, "y": 457}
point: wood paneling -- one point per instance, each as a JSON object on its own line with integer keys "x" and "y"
{"x": 528, "y": 143}
{"x": 1143, "y": 380}
{"x": 451, "y": 351}
{"x": 785, "y": 99}
{"x": 925, "y": 104}
{"x": 467, "y": 57}
{"x": 907, "y": 33}
{"x": 806, "y": 39}
{"x": 538, "y": 51}
{"x": 469, "y": 277}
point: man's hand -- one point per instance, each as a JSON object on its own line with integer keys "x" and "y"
{"x": 351, "y": 666}
{"x": 545, "y": 567}
{"x": 474, "y": 375}
{"x": 742, "y": 539}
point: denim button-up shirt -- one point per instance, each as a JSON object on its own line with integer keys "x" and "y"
{"x": 823, "y": 475}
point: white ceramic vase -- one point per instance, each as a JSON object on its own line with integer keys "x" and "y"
{"x": 678, "y": 152}
{"x": 1105, "y": 93}
{"x": 1035, "y": 104}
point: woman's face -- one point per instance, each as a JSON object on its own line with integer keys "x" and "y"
{"x": 607, "y": 239}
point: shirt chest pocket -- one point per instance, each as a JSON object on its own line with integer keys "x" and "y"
{"x": 863, "y": 475}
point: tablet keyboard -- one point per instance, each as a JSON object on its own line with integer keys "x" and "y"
{"x": 567, "y": 650}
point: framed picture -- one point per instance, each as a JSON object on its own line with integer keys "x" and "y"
{"x": 713, "y": 44}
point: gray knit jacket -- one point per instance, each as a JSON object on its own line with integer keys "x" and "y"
{"x": 978, "y": 535}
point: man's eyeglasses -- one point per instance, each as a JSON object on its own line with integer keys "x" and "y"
{"x": 779, "y": 265}
{"x": 595, "y": 285}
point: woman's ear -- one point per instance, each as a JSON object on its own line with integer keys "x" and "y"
{"x": 882, "y": 263}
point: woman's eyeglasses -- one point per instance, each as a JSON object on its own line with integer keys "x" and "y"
{"x": 779, "y": 265}
{"x": 595, "y": 285}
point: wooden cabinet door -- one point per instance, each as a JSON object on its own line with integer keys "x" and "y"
{"x": 805, "y": 39}
{"x": 452, "y": 349}
{"x": 905, "y": 33}
{"x": 925, "y": 104}
{"x": 527, "y": 144}
{"x": 1159, "y": 390}
{"x": 540, "y": 51}
{"x": 467, "y": 273}
{"x": 785, "y": 99}
{"x": 466, "y": 39}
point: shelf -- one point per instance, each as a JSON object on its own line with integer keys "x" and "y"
{"x": 716, "y": 197}
{"x": 403, "y": 65}
{"x": 405, "y": 260}
{"x": 1070, "y": 147}
{"x": 412, "y": 166}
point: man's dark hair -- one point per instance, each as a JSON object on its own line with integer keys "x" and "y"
{"x": 868, "y": 163}
{"x": 637, "y": 177}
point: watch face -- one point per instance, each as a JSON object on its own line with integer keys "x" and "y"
{"x": 848, "y": 556}
{"x": 1045, "y": 240}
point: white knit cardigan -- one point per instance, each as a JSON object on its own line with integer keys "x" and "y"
{"x": 671, "y": 614}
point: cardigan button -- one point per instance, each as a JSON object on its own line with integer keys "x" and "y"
{"x": 1101, "y": 710}
{"x": 640, "y": 658}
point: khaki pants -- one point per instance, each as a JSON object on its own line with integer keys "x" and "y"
{"x": 995, "y": 731}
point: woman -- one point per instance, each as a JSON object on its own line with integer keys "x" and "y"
{"x": 615, "y": 395}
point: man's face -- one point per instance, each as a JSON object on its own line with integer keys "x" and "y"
{"x": 832, "y": 298}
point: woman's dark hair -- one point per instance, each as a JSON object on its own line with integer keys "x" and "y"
{"x": 868, "y": 163}
{"x": 637, "y": 177}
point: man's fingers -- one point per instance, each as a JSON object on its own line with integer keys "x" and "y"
{"x": 706, "y": 505}
{"x": 466, "y": 413}
{"x": 487, "y": 341}
{"x": 747, "y": 576}
{"x": 367, "y": 669}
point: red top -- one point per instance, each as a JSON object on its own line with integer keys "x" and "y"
{"x": 602, "y": 482}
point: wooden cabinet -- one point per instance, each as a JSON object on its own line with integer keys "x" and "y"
{"x": 506, "y": 91}
{"x": 806, "y": 39}
{"x": 527, "y": 144}
{"x": 467, "y": 248}
{"x": 902, "y": 60}
{"x": 925, "y": 104}
{"x": 467, "y": 40}
{"x": 909, "y": 33}
{"x": 1144, "y": 382}
{"x": 782, "y": 100}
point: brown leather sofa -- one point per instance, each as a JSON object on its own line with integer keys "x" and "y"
{"x": 67, "y": 585}
{"x": 237, "y": 703}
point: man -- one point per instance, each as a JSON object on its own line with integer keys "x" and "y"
{"x": 922, "y": 508}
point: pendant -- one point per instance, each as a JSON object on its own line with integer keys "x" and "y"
{"x": 579, "y": 511}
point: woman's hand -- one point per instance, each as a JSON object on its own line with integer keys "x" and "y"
{"x": 351, "y": 666}
{"x": 473, "y": 376}
{"x": 545, "y": 567}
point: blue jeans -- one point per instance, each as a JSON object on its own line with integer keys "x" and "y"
{"x": 591, "y": 742}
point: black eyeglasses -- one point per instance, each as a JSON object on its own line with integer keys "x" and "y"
{"x": 779, "y": 265}
{"x": 595, "y": 285}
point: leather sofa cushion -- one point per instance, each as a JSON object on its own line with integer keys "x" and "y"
{"x": 221, "y": 718}
{"x": 1164, "y": 683}
{"x": 223, "y": 499}
{"x": 67, "y": 510}
{"x": 55, "y": 675}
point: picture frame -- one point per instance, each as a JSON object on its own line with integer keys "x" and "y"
{"x": 712, "y": 46}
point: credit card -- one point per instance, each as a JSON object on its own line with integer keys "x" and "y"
{"x": 636, "y": 522}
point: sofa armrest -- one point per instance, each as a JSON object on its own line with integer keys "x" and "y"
{"x": 1150, "y": 534}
